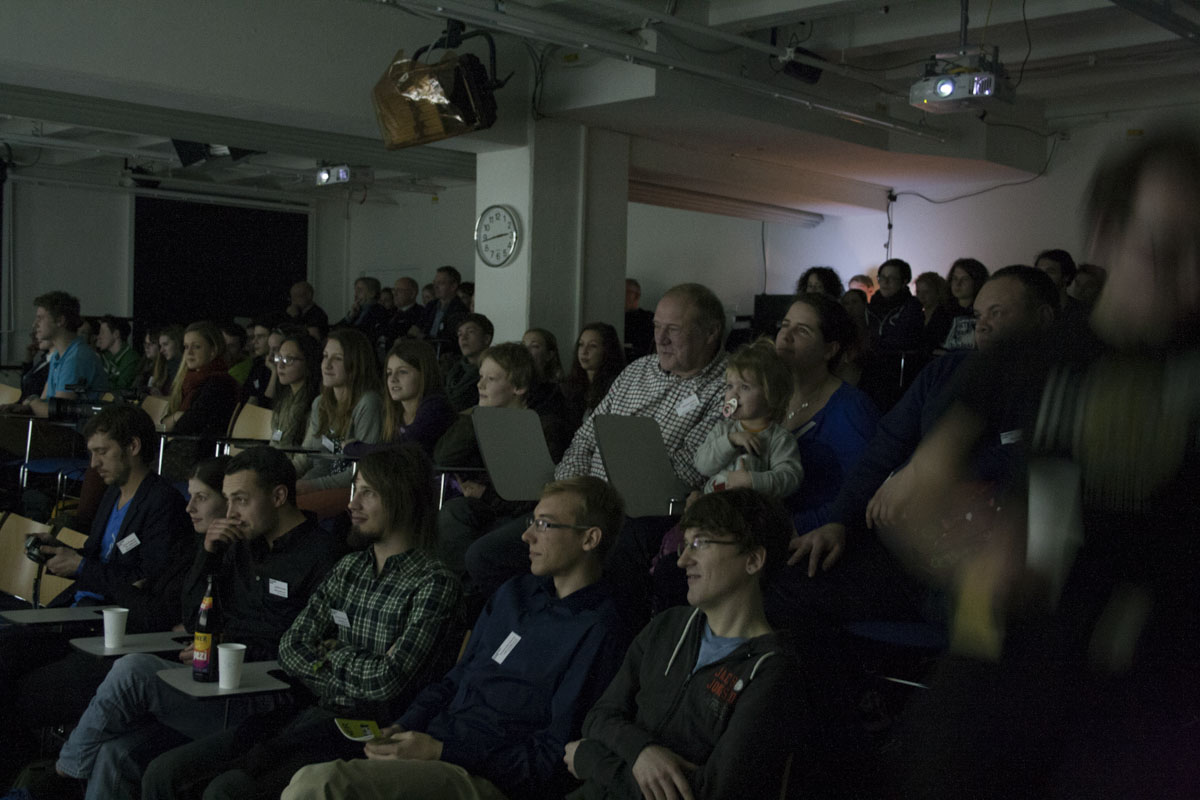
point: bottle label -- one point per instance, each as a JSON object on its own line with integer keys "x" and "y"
{"x": 202, "y": 652}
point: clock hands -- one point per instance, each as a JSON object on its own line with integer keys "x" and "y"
{"x": 498, "y": 236}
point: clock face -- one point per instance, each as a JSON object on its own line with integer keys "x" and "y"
{"x": 497, "y": 235}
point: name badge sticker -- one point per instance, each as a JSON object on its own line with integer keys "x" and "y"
{"x": 277, "y": 588}
{"x": 340, "y": 619}
{"x": 1010, "y": 437}
{"x": 328, "y": 444}
{"x": 128, "y": 543}
{"x": 687, "y": 405}
{"x": 277, "y": 435}
{"x": 505, "y": 648}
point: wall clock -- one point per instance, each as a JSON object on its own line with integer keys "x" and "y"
{"x": 497, "y": 235}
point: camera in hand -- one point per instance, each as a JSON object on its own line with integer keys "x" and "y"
{"x": 74, "y": 410}
{"x": 33, "y": 549}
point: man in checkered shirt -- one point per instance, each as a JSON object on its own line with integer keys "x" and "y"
{"x": 681, "y": 386}
{"x": 372, "y": 635}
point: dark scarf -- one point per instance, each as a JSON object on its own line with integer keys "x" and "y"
{"x": 193, "y": 378}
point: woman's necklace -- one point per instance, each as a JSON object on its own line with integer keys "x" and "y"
{"x": 792, "y": 412}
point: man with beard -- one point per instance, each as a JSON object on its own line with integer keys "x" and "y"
{"x": 266, "y": 558}
{"x": 372, "y": 635}
{"x": 135, "y": 557}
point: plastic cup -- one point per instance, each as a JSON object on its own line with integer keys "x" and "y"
{"x": 229, "y": 665}
{"x": 114, "y": 627}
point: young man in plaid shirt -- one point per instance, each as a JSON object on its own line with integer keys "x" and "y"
{"x": 371, "y": 636}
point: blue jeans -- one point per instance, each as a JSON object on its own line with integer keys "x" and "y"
{"x": 131, "y": 698}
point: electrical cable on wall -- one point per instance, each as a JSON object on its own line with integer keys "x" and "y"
{"x": 764, "y": 255}
{"x": 1041, "y": 172}
{"x": 887, "y": 246}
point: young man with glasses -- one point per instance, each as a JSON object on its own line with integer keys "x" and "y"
{"x": 705, "y": 704}
{"x": 541, "y": 652}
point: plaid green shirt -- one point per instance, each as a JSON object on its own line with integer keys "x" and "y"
{"x": 386, "y": 628}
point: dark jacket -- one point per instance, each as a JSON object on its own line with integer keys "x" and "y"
{"x": 447, "y": 331}
{"x": 901, "y": 322}
{"x": 506, "y": 712}
{"x": 261, "y": 589}
{"x": 158, "y": 518}
{"x": 738, "y": 718}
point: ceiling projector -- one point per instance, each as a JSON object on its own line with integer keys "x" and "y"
{"x": 958, "y": 83}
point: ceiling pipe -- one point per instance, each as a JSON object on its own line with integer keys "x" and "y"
{"x": 557, "y": 31}
{"x": 1162, "y": 16}
{"x": 781, "y": 53}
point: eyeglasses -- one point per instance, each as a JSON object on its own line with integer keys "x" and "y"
{"x": 699, "y": 543}
{"x": 286, "y": 360}
{"x": 544, "y": 525}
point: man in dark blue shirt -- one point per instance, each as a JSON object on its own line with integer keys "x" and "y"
{"x": 541, "y": 653}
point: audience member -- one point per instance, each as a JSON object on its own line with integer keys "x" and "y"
{"x": 374, "y": 633}
{"x": 203, "y": 398}
{"x": 443, "y": 313}
{"x": 74, "y": 370}
{"x": 1015, "y": 303}
{"x": 405, "y": 319}
{"x": 366, "y": 315}
{"x": 427, "y": 294}
{"x": 1088, "y": 283}
{"x": 599, "y": 359}
{"x": 302, "y": 310}
{"x": 134, "y": 557}
{"x": 539, "y": 655}
{"x": 832, "y": 421}
{"x": 934, "y": 294}
{"x": 820, "y": 280}
{"x": 966, "y": 277}
{"x": 706, "y": 703}
{"x": 349, "y": 408}
{"x": 1091, "y": 687}
{"x": 37, "y": 369}
{"x": 387, "y": 299}
{"x": 864, "y": 284}
{"x": 466, "y": 293}
{"x": 547, "y": 362}
{"x": 639, "y": 323}
{"x": 545, "y": 395}
{"x": 474, "y": 336}
{"x": 236, "y": 357}
{"x": 120, "y": 361}
{"x": 170, "y": 345}
{"x": 680, "y": 388}
{"x": 266, "y": 558}
{"x": 1061, "y": 268}
{"x": 298, "y": 375}
{"x": 154, "y": 366}
{"x": 506, "y": 373}
{"x": 899, "y": 313}
{"x": 258, "y": 380}
{"x": 416, "y": 411}
{"x": 118, "y": 763}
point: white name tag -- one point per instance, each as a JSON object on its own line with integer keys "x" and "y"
{"x": 1010, "y": 437}
{"x": 277, "y": 588}
{"x": 687, "y": 405}
{"x": 340, "y": 619}
{"x": 328, "y": 444}
{"x": 507, "y": 647}
{"x": 277, "y": 435}
{"x": 128, "y": 543}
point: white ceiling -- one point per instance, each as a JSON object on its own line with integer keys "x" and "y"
{"x": 1073, "y": 59}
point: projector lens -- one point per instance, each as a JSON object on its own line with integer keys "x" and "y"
{"x": 944, "y": 87}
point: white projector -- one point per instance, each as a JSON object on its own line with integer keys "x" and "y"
{"x": 953, "y": 91}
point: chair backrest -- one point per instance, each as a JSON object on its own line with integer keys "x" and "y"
{"x": 156, "y": 407}
{"x": 252, "y": 422}
{"x": 17, "y": 573}
{"x": 9, "y": 394}
{"x": 638, "y": 466}
{"x": 514, "y": 450}
{"x": 53, "y": 585}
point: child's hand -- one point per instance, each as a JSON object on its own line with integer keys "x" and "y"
{"x": 739, "y": 478}
{"x": 749, "y": 441}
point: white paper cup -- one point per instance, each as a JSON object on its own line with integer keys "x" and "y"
{"x": 114, "y": 627}
{"x": 229, "y": 665}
